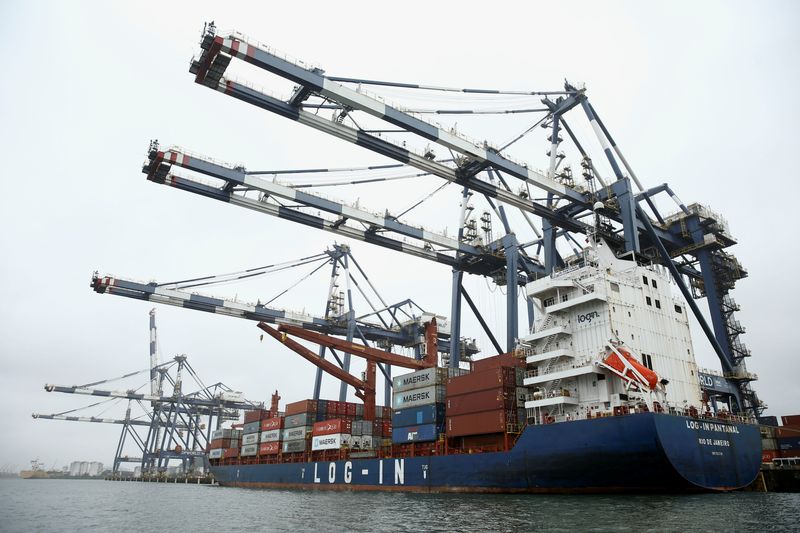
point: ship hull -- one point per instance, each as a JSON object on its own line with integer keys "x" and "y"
{"x": 647, "y": 451}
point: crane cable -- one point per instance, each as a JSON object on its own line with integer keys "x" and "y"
{"x": 341, "y": 79}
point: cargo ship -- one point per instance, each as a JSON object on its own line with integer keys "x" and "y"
{"x": 36, "y": 471}
{"x": 602, "y": 395}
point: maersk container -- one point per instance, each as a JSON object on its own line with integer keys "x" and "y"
{"x": 330, "y": 442}
{"x": 415, "y": 416}
{"x": 215, "y": 453}
{"x": 221, "y": 434}
{"x": 423, "y": 433}
{"x": 419, "y": 379}
{"x": 297, "y": 420}
{"x": 250, "y": 438}
{"x": 249, "y": 451}
{"x": 252, "y": 427}
{"x": 295, "y": 433}
{"x": 271, "y": 436}
{"x": 416, "y": 397}
{"x": 293, "y": 446}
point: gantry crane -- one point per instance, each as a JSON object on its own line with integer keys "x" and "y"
{"x": 402, "y": 324}
{"x": 691, "y": 244}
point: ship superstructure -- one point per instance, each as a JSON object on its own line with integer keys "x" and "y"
{"x": 600, "y": 306}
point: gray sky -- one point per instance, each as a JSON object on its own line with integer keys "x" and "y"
{"x": 698, "y": 95}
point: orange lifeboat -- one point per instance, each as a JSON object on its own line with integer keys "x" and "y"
{"x": 613, "y": 360}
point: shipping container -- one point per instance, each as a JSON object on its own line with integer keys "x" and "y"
{"x": 366, "y": 427}
{"x": 476, "y": 402}
{"x": 215, "y": 453}
{"x": 217, "y": 443}
{"x": 769, "y": 444}
{"x": 791, "y": 420}
{"x": 768, "y": 421}
{"x": 486, "y": 379}
{"x": 303, "y": 406}
{"x": 249, "y": 451}
{"x": 416, "y": 397}
{"x": 367, "y": 442}
{"x": 255, "y": 416}
{"x": 477, "y": 423}
{"x": 272, "y": 423}
{"x": 297, "y": 420}
{"x": 768, "y": 455}
{"x": 331, "y": 427}
{"x": 330, "y": 442}
{"x": 250, "y": 438}
{"x": 787, "y": 432}
{"x": 416, "y": 416}
{"x": 252, "y": 427}
{"x": 295, "y": 433}
{"x": 230, "y": 453}
{"x": 271, "y": 436}
{"x": 222, "y": 434}
{"x": 485, "y": 441}
{"x": 423, "y": 433}
{"x": 419, "y": 379}
{"x": 789, "y": 444}
{"x": 293, "y": 446}
{"x": 498, "y": 361}
{"x": 269, "y": 448}
{"x": 351, "y": 409}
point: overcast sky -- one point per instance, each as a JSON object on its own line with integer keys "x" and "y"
{"x": 700, "y": 95}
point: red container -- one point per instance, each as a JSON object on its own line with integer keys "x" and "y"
{"x": 332, "y": 427}
{"x": 231, "y": 452}
{"x": 489, "y": 440}
{"x": 216, "y": 443}
{"x": 351, "y": 409}
{"x": 269, "y": 448}
{"x": 498, "y": 361}
{"x": 255, "y": 416}
{"x": 791, "y": 420}
{"x": 476, "y": 423}
{"x": 496, "y": 378}
{"x": 787, "y": 432}
{"x": 386, "y": 428}
{"x": 303, "y": 406}
{"x": 272, "y": 423}
{"x": 768, "y": 455}
{"x": 476, "y": 402}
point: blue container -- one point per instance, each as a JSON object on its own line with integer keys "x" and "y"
{"x": 789, "y": 444}
{"x": 423, "y": 433}
{"x": 415, "y": 416}
{"x": 768, "y": 421}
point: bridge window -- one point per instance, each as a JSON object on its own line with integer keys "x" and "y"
{"x": 648, "y": 300}
{"x": 644, "y": 278}
{"x": 658, "y": 304}
{"x": 647, "y": 361}
{"x": 564, "y": 297}
{"x": 678, "y": 309}
{"x": 654, "y": 283}
{"x": 615, "y": 286}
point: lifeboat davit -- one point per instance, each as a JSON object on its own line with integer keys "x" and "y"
{"x": 624, "y": 368}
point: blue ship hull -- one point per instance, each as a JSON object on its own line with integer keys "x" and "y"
{"x": 647, "y": 451}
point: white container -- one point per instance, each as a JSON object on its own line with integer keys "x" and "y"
{"x": 331, "y": 442}
{"x": 271, "y": 436}
{"x": 216, "y": 453}
{"x": 295, "y": 433}
{"x": 249, "y": 451}
{"x": 419, "y": 379}
{"x": 250, "y": 438}
{"x": 416, "y": 397}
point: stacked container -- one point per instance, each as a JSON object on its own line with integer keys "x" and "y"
{"x": 418, "y": 401}
{"x": 485, "y": 401}
{"x": 222, "y": 440}
{"x": 331, "y": 434}
{"x": 788, "y": 437}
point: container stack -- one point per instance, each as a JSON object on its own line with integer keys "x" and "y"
{"x": 270, "y": 440}
{"x": 486, "y": 402}
{"x": 223, "y": 440}
{"x": 332, "y": 434}
{"x": 418, "y": 401}
{"x": 788, "y": 437}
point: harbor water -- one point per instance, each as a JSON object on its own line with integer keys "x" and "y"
{"x": 66, "y": 505}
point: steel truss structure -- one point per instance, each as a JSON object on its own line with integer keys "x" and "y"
{"x": 557, "y": 206}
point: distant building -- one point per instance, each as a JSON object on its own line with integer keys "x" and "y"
{"x": 85, "y": 468}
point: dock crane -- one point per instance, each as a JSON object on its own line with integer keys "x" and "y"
{"x": 401, "y": 324}
{"x": 690, "y": 244}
